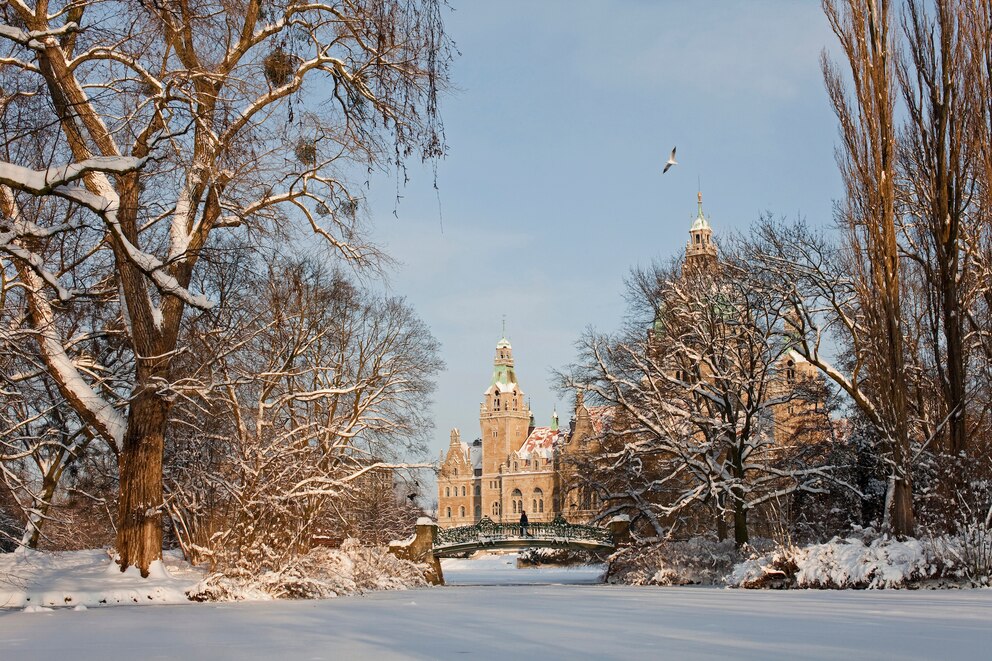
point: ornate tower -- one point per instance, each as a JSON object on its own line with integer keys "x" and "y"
{"x": 700, "y": 251}
{"x": 504, "y": 419}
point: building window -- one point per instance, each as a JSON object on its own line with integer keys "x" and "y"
{"x": 463, "y": 511}
{"x": 518, "y": 501}
{"x": 478, "y": 511}
{"x": 496, "y": 407}
{"x": 449, "y": 512}
{"x": 790, "y": 371}
{"x": 515, "y": 467}
{"x": 447, "y": 492}
{"x": 463, "y": 493}
{"x": 478, "y": 489}
{"x": 538, "y": 500}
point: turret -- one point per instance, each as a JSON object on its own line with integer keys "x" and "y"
{"x": 700, "y": 251}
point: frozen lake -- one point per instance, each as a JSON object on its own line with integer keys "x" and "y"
{"x": 524, "y": 621}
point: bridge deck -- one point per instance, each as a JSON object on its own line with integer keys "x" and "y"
{"x": 490, "y": 535}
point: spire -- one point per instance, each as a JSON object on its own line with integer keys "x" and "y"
{"x": 554, "y": 420}
{"x": 699, "y": 197}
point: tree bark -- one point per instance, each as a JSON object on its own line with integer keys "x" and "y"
{"x": 139, "y": 529}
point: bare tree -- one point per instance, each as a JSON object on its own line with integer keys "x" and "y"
{"x": 695, "y": 400}
{"x": 938, "y": 156}
{"x": 867, "y": 160}
{"x": 301, "y": 413}
{"x": 167, "y": 123}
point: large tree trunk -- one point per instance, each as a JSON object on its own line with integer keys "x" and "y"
{"x": 740, "y": 523}
{"x": 139, "y": 530}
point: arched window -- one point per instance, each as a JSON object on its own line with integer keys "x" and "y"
{"x": 447, "y": 492}
{"x": 518, "y": 501}
{"x": 478, "y": 489}
{"x": 790, "y": 371}
{"x": 463, "y": 511}
{"x": 515, "y": 467}
{"x": 478, "y": 511}
{"x": 538, "y": 500}
{"x": 496, "y": 406}
{"x": 463, "y": 493}
{"x": 449, "y": 512}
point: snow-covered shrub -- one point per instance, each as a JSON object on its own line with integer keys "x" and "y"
{"x": 549, "y": 556}
{"x": 883, "y": 562}
{"x": 320, "y": 574}
{"x": 968, "y": 553}
{"x": 694, "y": 561}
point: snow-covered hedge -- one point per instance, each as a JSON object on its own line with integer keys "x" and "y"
{"x": 320, "y": 574}
{"x": 956, "y": 560}
{"x": 689, "y": 562}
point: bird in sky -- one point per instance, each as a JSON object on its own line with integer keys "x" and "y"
{"x": 671, "y": 161}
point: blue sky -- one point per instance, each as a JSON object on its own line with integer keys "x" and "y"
{"x": 563, "y": 117}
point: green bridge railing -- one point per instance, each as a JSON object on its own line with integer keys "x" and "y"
{"x": 557, "y": 532}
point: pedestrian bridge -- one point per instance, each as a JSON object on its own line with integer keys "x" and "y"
{"x": 489, "y": 535}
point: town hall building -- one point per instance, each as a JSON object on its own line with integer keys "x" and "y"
{"x": 515, "y": 466}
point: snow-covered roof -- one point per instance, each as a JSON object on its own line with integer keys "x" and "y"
{"x": 476, "y": 455}
{"x": 700, "y": 223}
{"x": 503, "y": 387}
{"x": 600, "y": 416}
{"x": 541, "y": 443}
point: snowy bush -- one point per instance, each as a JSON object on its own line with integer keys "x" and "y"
{"x": 957, "y": 560}
{"x": 320, "y": 574}
{"x": 695, "y": 561}
{"x": 551, "y": 556}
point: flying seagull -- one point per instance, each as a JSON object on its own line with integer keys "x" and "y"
{"x": 671, "y": 161}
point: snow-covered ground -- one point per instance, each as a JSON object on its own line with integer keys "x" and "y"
{"x": 502, "y": 570}
{"x": 32, "y": 579}
{"x": 525, "y": 622}
{"x": 521, "y": 621}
